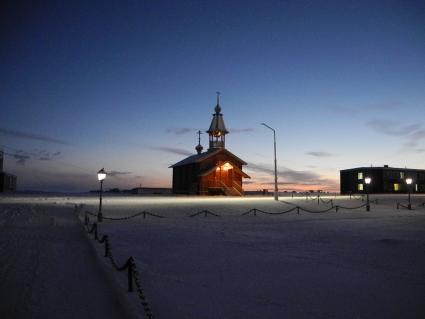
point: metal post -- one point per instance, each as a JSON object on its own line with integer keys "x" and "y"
{"x": 106, "y": 246}
{"x": 99, "y": 214}
{"x": 276, "y": 194}
{"x": 367, "y": 200}
{"x": 276, "y": 191}
{"x": 130, "y": 275}
{"x": 409, "y": 206}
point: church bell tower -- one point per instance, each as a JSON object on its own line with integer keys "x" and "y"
{"x": 217, "y": 131}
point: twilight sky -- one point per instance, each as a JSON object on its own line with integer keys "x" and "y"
{"x": 126, "y": 84}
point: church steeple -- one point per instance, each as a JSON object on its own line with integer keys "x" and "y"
{"x": 217, "y": 130}
{"x": 199, "y": 147}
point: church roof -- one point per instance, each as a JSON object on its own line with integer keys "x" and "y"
{"x": 200, "y": 157}
{"x": 217, "y": 122}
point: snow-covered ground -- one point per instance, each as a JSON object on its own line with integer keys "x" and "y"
{"x": 346, "y": 264}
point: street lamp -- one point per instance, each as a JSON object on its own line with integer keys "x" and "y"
{"x": 367, "y": 180}
{"x": 409, "y": 183}
{"x": 101, "y": 175}
{"x": 276, "y": 195}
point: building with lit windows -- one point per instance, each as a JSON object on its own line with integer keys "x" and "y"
{"x": 214, "y": 172}
{"x": 383, "y": 180}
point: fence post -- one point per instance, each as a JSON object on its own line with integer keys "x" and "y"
{"x": 95, "y": 231}
{"x": 106, "y": 246}
{"x": 130, "y": 274}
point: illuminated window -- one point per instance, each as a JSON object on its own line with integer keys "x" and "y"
{"x": 396, "y": 187}
{"x": 227, "y": 166}
{"x": 360, "y": 187}
{"x": 402, "y": 175}
{"x": 416, "y": 187}
{"x": 360, "y": 176}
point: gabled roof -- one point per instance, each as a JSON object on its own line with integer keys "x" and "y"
{"x": 200, "y": 157}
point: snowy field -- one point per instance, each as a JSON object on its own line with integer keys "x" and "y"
{"x": 346, "y": 264}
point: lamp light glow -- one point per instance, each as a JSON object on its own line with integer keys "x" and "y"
{"x": 101, "y": 175}
{"x": 409, "y": 181}
{"x": 368, "y": 180}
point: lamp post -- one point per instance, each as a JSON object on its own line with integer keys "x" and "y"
{"x": 367, "y": 180}
{"x": 276, "y": 194}
{"x": 101, "y": 175}
{"x": 409, "y": 183}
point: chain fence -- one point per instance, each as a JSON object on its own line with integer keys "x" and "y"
{"x": 144, "y": 213}
{"x": 254, "y": 212}
{"x": 206, "y": 212}
{"x": 130, "y": 265}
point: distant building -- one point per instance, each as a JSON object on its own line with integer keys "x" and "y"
{"x": 7, "y": 181}
{"x": 150, "y": 190}
{"x": 384, "y": 180}
{"x": 216, "y": 171}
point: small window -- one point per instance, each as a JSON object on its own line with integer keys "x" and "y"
{"x": 359, "y": 187}
{"x": 401, "y": 175}
{"x": 416, "y": 187}
{"x": 360, "y": 175}
{"x": 396, "y": 187}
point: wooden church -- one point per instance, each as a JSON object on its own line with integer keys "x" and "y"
{"x": 214, "y": 172}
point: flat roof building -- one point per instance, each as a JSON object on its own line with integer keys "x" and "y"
{"x": 390, "y": 180}
{"x": 7, "y": 181}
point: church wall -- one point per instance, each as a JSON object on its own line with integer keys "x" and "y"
{"x": 185, "y": 179}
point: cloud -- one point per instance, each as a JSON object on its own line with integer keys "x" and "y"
{"x": 411, "y": 133}
{"x": 286, "y": 173}
{"x": 345, "y": 110}
{"x": 185, "y": 130}
{"x": 23, "y": 156}
{"x": 173, "y": 150}
{"x": 418, "y": 135}
{"x": 116, "y": 173}
{"x": 241, "y": 130}
{"x": 180, "y": 130}
{"x": 21, "y": 159}
{"x": 291, "y": 179}
{"x": 319, "y": 154}
{"x": 393, "y": 128}
{"x": 358, "y": 110}
{"x": 31, "y": 136}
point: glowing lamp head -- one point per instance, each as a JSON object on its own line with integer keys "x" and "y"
{"x": 101, "y": 175}
{"x": 409, "y": 181}
{"x": 367, "y": 180}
